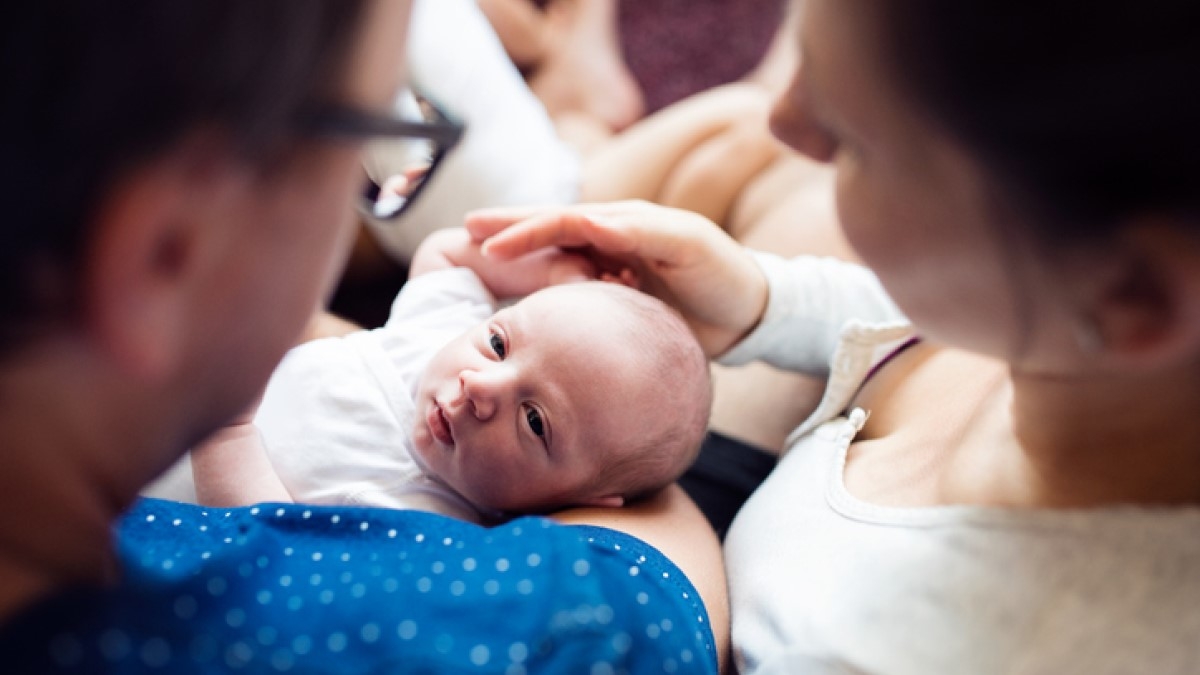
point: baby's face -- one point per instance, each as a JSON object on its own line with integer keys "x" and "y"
{"x": 522, "y": 411}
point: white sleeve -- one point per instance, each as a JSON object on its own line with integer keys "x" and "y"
{"x": 337, "y": 410}
{"x": 811, "y": 300}
{"x": 455, "y": 292}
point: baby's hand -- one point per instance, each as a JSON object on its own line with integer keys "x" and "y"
{"x": 625, "y": 277}
{"x": 511, "y": 278}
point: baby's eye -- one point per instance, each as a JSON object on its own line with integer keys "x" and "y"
{"x": 534, "y": 418}
{"x": 496, "y": 342}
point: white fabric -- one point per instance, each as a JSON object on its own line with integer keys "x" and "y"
{"x": 821, "y": 582}
{"x": 510, "y": 154}
{"x": 338, "y": 413}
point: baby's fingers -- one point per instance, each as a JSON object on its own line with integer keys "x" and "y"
{"x": 625, "y": 277}
{"x": 569, "y": 269}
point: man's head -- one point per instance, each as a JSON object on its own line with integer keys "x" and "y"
{"x": 585, "y": 394}
{"x": 169, "y": 226}
{"x": 96, "y": 92}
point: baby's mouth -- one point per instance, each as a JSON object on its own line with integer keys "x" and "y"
{"x": 439, "y": 425}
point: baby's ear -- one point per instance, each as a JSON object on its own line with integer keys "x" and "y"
{"x": 606, "y": 502}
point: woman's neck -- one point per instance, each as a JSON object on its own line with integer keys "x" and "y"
{"x": 1092, "y": 441}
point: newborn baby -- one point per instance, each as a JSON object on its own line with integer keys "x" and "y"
{"x": 583, "y": 394}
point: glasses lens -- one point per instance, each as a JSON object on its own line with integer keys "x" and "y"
{"x": 398, "y": 167}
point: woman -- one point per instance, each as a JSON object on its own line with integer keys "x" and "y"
{"x": 177, "y": 181}
{"x": 1004, "y": 470}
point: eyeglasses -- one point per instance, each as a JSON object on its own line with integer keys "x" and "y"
{"x": 413, "y": 145}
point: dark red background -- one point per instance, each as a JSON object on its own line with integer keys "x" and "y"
{"x": 679, "y": 47}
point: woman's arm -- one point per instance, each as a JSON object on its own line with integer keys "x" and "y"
{"x": 231, "y": 468}
{"x": 812, "y": 300}
{"x": 673, "y": 524}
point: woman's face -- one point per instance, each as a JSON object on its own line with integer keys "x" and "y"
{"x": 911, "y": 201}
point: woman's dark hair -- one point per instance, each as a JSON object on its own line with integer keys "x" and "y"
{"x": 92, "y": 88}
{"x": 1086, "y": 113}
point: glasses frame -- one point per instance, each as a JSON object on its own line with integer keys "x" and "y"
{"x": 344, "y": 122}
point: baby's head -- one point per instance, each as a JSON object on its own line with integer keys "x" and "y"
{"x": 584, "y": 394}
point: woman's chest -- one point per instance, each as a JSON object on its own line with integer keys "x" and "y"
{"x": 928, "y": 410}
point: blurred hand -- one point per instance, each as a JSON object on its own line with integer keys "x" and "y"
{"x": 680, "y": 257}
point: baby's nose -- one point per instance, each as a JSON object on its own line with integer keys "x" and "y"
{"x": 483, "y": 391}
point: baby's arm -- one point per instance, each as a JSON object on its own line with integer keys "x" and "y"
{"x": 503, "y": 278}
{"x": 231, "y": 468}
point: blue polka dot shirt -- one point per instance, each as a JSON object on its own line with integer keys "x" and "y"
{"x": 280, "y": 588}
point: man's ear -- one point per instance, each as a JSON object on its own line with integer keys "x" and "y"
{"x": 605, "y": 502}
{"x": 1146, "y": 311}
{"x": 141, "y": 259}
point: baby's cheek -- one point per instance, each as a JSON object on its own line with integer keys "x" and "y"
{"x": 513, "y": 485}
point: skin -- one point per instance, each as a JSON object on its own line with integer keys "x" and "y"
{"x": 552, "y": 358}
{"x": 525, "y": 412}
{"x": 571, "y": 53}
{"x": 1002, "y": 405}
{"x": 1028, "y": 417}
{"x": 183, "y": 248}
{"x": 529, "y": 407}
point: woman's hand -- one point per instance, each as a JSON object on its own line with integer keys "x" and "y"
{"x": 678, "y": 256}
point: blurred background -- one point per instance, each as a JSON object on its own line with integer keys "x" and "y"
{"x": 673, "y": 48}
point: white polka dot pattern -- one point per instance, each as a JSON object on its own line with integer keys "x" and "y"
{"x": 277, "y": 588}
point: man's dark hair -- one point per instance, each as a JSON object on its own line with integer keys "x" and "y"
{"x": 91, "y": 89}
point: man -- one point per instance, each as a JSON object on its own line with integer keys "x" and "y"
{"x": 178, "y": 180}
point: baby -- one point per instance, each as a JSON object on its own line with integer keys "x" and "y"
{"x": 584, "y": 394}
